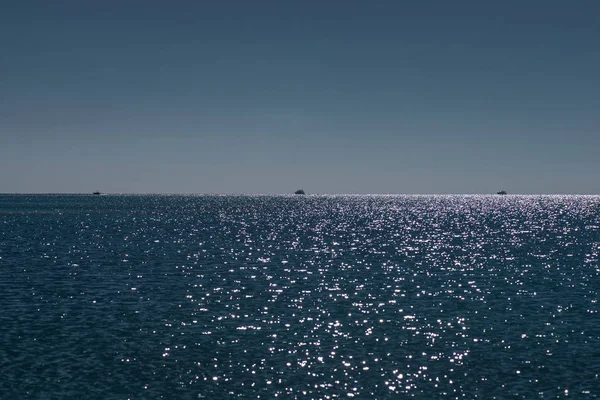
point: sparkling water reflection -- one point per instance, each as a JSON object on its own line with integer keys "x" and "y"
{"x": 118, "y": 297}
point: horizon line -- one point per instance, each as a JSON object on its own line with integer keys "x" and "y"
{"x": 284, "y": 194}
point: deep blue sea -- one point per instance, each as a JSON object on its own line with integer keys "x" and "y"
{"x": 299, "y": 297}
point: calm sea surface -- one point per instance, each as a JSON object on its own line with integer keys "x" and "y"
{"x": 299, "y": 297}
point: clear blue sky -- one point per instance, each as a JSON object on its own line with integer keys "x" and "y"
{"x": 270, "y": 96}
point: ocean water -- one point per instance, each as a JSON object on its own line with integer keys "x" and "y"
{"x": 299, "y": 297}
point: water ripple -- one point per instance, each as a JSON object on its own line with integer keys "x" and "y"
{"x": 323, "y": 297}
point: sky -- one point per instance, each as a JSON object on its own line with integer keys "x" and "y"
{"x": 236, "y": 96}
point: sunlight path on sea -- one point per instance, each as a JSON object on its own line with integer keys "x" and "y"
{"x": 119, "y": 297}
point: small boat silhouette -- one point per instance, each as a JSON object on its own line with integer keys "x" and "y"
{"x": 299, "y": 191}
{"x": 501, "y": 192}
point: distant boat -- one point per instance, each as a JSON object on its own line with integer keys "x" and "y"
{"x": 501, "y": 192}
{"x": 299, "y": 191}
{"x": 97, "y": 193}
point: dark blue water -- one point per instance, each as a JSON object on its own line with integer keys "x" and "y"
{"x": 304, "y": 297}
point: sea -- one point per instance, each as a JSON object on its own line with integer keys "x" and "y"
{"x": 299, "y": 297}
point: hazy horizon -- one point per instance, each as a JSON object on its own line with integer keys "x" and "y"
{"x": 269, "y": 97}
